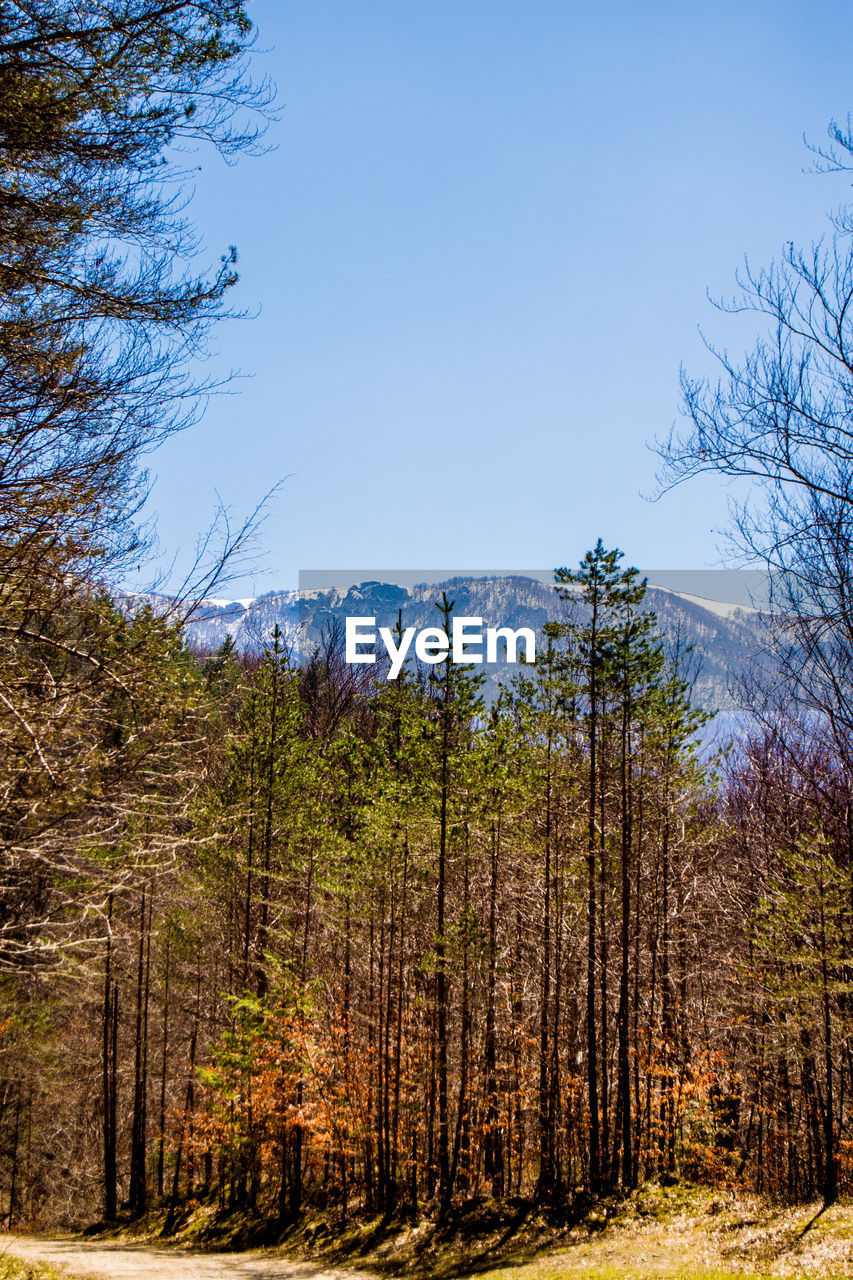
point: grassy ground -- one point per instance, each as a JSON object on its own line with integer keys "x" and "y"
{"x": 14, "y": 1269}
{"x": 659, "y": 1233}
{"x": 718, "y": 1241}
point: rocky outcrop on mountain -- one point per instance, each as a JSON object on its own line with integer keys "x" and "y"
{"x": 249, "y": 623}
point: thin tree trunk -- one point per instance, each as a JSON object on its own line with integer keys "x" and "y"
{"x": 460, "y": 1141}
{"x": 545, "y": 1188}
{"x": 138, "y": 1171}
{"x": 493, "y": 1155}
{"x": 591, "y": 1031}
{"x": 13, "y": 1175}
{"x": 110, "y": 1012}
{"x": 441, "y": 986}
{"x": 161, "y": 1142}
{"x": 624, "y": 1083}
{"x": 398, "y": 1035}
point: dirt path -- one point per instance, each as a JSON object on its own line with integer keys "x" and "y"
{"x": 148, "y": 1262}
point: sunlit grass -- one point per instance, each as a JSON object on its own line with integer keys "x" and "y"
{"x": 628, "y": 1269}
{"x": 677, "y": 1233}
{"x": 18, "y": 1269}
{"x": 658, "y": 1233}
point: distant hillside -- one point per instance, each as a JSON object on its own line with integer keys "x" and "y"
{"x": 725, "y": 638}
{"x": 249, "y": 623}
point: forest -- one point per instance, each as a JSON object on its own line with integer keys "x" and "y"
{"x": 326, "y": 939}
{"x": 279, "y": 936}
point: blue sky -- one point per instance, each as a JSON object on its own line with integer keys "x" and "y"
{"x": 477, "y": 257}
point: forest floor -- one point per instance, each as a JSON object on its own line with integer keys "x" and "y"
{"x": 657, "y": 1234}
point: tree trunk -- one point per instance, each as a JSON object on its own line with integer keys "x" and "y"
{"x": 109, "y": 1077}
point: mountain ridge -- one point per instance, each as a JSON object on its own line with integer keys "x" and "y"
{"x": 725, "y": 637}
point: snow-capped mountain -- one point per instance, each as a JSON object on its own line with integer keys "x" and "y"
{"x": 726, "y": 639}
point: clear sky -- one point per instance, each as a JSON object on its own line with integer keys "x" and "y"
{"x": 478, "y": 255}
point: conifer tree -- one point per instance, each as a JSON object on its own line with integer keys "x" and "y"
{"x": 604, "y": 590}
{"x": 455, "y": 704}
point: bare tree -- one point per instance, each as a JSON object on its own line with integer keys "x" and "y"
{"x": 781, "y": 420}
{"x": 100, "y": 314}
